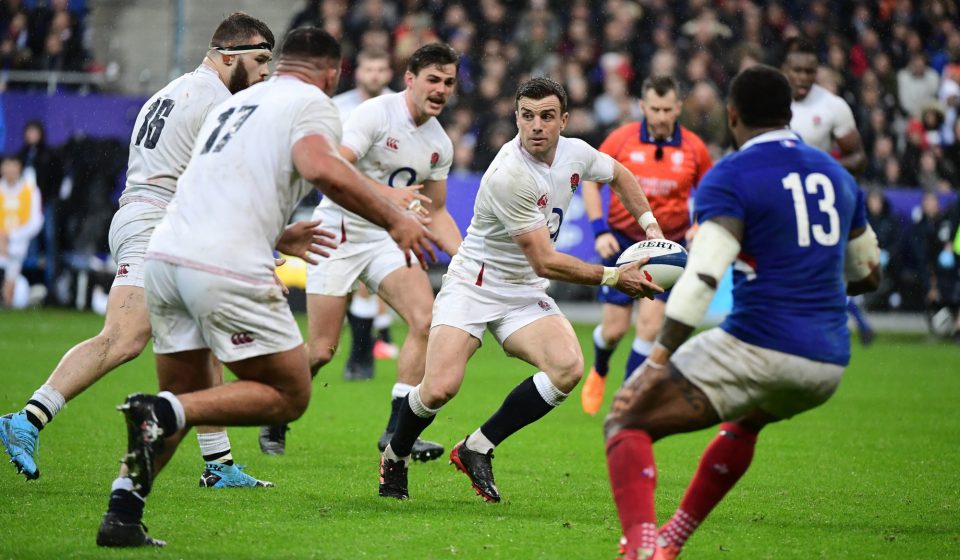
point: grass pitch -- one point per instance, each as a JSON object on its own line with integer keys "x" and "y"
{"x": 875, "y": 473}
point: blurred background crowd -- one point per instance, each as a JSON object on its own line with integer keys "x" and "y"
{"x": 895, "y": 62}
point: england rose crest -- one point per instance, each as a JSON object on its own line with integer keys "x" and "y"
{"x": 434, "y": 159}
{"x": 574, "y": 182}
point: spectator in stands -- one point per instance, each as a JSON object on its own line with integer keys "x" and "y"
{"x": 20, "y": 220}
{"x": 45, "y": 164}
{"x": 917, "y": 84}
{"x": 704, "y": 114}
{"x": 887, "y": 227}
{"x": 15, "y": 52}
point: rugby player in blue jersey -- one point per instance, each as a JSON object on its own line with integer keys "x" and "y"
{"x": 793, "y": 223}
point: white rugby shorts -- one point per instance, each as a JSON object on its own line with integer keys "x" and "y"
{"x": 235, "y": 318}
{"x": 738, "y": 377}
{"x": 351, "y": 263}
{"x": 130, "y": 232}
{"x": 503, "y": 309}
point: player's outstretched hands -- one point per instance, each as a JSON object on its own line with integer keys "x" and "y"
{"x": 606, "y": 245}
{"x": 306, "y": 239}
{"x": 411, "y": 235}
{"x": 634, "y": 283}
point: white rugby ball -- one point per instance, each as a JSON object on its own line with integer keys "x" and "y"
{"x": 667, "y": 260}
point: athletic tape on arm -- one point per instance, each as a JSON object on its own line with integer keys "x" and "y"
{"x": 714, "y": 249}
{"x": 863, "y": 253}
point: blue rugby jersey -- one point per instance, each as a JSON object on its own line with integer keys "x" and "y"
{"x": 798, "y": 206}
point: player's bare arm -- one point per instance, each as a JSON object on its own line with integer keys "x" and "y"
{"x": 408, "y": 197}
{"x": 305, "y": 239}
{"x": 318, "y": 162}
{"x": 862, "y": 267}
{"x": 628, "y": 190}
{"x": 852, "y": 156}
{"x": 549, "y": 263}
{"x": 605, "y": 244}
{"x": 443, "y": 226}
{"x": 715, "y": 247}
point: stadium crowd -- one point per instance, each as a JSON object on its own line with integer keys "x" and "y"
{"x": 43, "y": 35}
{"x": 895, "y": 62}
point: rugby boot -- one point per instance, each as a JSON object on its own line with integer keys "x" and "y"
{"x": 21, "y": 439}
{"x": 422, "y": 449}
{"x": 478, "y": 467}
{"x": 393, "y": 478}
{"x": 220, "y": 475}
{"x": 591, "y": 397}
{"x": 115, "y": 533}
{"x": 273, "y": 439}
{"x": 144, "y": 439}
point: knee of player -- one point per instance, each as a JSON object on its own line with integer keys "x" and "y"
{"x": 614, "y": 333}
{"x": 566, "y": 369}
{"x": 438, "y": 393}
{"x": 296, "y": 399}
{"x": 419, "y": 322}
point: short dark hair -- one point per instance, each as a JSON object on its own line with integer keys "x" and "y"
{"x": 540, "y": 88}
{"x": 239, "y": 27}
{"x": 434, "y": 54}
{"x": 310, "y": 42}
{"x": 799, "y": 45}
{"x": 762, "y": 96}
{"x": 661, "y": 85}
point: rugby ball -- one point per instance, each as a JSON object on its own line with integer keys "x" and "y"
{"x": 667, "y": 260}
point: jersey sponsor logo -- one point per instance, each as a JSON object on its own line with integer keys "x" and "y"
{"x": 544, "y": 305}
{"x": 122, "y": 270}
{"x": 241, "y": 338}
{"x": 434, "y": 159}
{"x": 574, "y": 182}
{"x": 542, "y": 201}
{"x": 393, "y": 143}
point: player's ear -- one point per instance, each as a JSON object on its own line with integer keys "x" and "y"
{"x": 408, "y": 78}
{"x": 732, "y": 116}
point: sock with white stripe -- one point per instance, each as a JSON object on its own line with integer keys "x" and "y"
{"x": 215, "y": 446}
{"x": 124, "y": 502}
{"x": 638, "y": 353}
{"x": 397, "y": 396}
{"x": 45, "y": 403}
{"x": 529, "y": 401}
{"x": 601, "y": 352}
{"x": 413, "y": 419}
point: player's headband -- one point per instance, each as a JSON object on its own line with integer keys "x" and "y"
{"x": 264, "y": 47}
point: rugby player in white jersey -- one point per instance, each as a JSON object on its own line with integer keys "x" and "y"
{"x": 824, "y": 120}
{"x": 162, "y": 139}
{"x": 396, "y": 141}
{"x": 367, "y": 312}
{"x": 209, "y": 268}
{"x": 498, "y": 280}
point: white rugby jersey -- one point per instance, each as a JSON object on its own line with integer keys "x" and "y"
{"x": 347, "y": 101}
{"x": 519, "y": 194}
{"x": 165, "y": 131}
{"x": 391, "y": 149}
{"x": 241, "y": 186}
{"x": 821, "y": 117}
